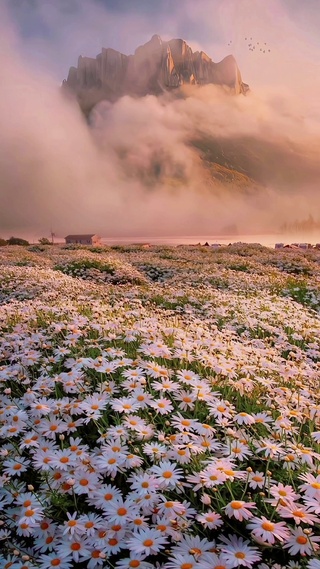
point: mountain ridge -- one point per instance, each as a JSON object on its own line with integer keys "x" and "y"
{"x": 155, "y": 67}
{"x": 239, "y": 162}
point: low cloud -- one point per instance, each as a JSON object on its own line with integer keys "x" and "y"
{"x": 140, "y": 167}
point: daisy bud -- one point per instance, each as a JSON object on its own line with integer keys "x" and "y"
{"x": 7, "y": 391}
{"x": 167, "y": 423}
{"x": 1, "y": 522}
{"x": 71, "y": 481}
{"x": 30, "y": 488}
{"x": 4, "y": 452}
{"x": 249, "y": 469}
{"x": 261, "y": 494}
{"x": 269, "y": 473}
{"x": 205, "y": 499}
{"x": 161, "y": 437}
{"x": 307, "y": 531}
{"x": 25, "y": 557}
{"x": 61, "y": 437}
{"x": 16, "y": 552}
{"x": 183, "y": 525}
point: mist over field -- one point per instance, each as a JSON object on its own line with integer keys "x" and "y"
{"x": 188, "y": 162}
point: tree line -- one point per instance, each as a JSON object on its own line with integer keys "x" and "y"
{"x": 23, "y": 242}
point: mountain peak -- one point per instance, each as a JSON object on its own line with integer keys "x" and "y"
{"x": 155, "y": 67}
{"x": 156, "y": 38}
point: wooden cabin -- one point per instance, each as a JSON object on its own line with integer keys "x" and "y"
{"x": 90, "y": 239}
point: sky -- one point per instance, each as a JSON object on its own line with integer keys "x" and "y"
{"x": 54, "y": 170}
{"x": 53, "y": 33}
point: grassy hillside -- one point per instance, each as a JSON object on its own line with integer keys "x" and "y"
{"x": 251, "y": 160}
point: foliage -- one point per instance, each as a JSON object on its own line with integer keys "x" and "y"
{"x": 37, "y": 248}
{"x": 156, "y": 274}
{"x": 77, "y": 268}
{"x": 44, "y": 241}
{"x": 17, "y": 241}
{"x": 302, "y": 291}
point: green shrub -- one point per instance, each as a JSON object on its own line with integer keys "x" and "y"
{"x": 18, "y": 241}
{"x": 44, "y": 241}
{"x": 36, "y": 249}
{"x": 77, "y": 267}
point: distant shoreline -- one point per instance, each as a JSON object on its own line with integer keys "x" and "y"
{"x": 265, "y": 239}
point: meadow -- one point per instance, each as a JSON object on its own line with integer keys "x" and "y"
{"x": 159, "y": 408}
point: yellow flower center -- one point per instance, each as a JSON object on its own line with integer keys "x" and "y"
{"x": 236, "y": 505}
{"x": 301, "y": 540}
{"x": 267, "y": 526}
{"x": 167, "y": 474}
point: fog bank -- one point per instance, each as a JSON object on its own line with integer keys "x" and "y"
{"x": 140, "y": 167}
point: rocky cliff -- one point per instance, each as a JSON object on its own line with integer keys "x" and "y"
{"x": 155, "y": 67}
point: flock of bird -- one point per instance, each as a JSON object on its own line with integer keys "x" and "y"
{"x": 253, "y": 46}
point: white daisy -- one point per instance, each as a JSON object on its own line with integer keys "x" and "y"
{"x": 301, "y": 543}
{"x": 148, "y": 541}
{"x": 236, "y": 551}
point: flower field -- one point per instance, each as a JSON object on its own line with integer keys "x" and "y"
{"x": 159, "y": 408}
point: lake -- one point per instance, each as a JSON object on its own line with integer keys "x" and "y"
{"x": 269, "y": 240}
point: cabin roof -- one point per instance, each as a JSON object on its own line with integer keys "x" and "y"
{"x": 87, "y": 236}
